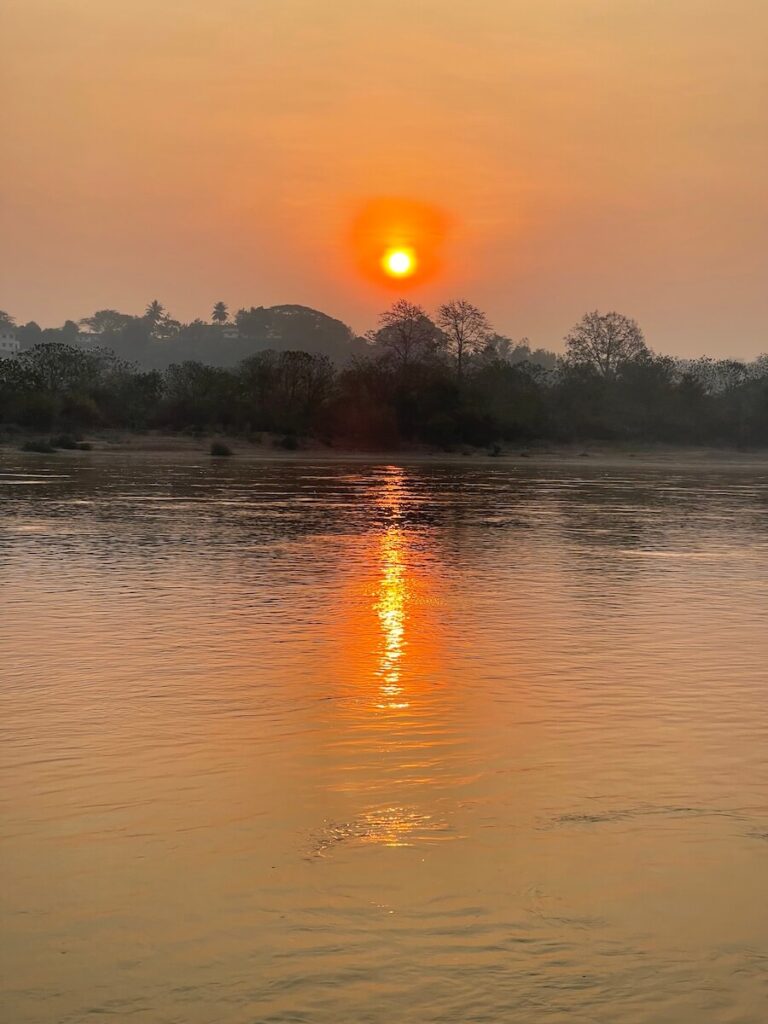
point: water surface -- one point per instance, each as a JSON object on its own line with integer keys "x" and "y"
{"x": 316, "y": 742}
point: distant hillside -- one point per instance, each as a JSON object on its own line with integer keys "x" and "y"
{"x": 133, "y": 338}
{"x": 295, "y": 327}
{"x": 281, "y": 328}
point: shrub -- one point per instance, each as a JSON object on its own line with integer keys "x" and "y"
{"x": 289, "y": 442}
{"x": 441, "y": 430}
{"x": 41, "y": 447}
{"x": 35, "y": 411}
{"x": 79, "y": 411}
{"x": 65, "y": 441}
{"x": 220, "y": 450}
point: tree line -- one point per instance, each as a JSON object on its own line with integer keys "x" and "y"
{"x": 443, "y": 380}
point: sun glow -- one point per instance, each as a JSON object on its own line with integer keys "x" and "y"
{"x": 399, "y": 262}
{"x": 398, "y": 242}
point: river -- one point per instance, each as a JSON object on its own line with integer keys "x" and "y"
{"x": 363, "y": 742}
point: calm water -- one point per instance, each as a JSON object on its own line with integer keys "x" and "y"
{"x": 337, "y": 743}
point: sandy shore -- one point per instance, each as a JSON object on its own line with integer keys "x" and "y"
{"x": 184, "y": 448}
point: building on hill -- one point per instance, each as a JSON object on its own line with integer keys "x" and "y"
{"x": 9, "y": 343}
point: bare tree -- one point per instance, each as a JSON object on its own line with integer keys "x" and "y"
{"x": 604, "y": 341}
{"x": 407, "y": 332}
{"x": 466, "y": 328}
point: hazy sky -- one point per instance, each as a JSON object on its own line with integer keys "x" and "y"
{"x": 606, "y": 154}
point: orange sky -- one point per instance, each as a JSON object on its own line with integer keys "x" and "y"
{"x": 589, "y": 153}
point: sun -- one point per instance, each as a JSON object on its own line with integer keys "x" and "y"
{"x": 396, "y": 243}
{"x": 400, "y": 262}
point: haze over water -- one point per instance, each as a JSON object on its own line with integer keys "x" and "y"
{"x": 300, "y": 741}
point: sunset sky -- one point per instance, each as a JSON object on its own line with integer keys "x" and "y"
{"x": 583, "y": 154}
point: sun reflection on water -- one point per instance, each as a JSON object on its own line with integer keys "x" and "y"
{"x": 391, "y": 611}
{"x": 394, "y": 742}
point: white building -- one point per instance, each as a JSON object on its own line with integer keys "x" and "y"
{"x": 9, "y": 343}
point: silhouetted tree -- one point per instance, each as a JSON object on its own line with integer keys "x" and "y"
{"x": 166, "y": 328}
{"x": 500, "y": 348}
{"x": 466, "y": 329}
{"x": 69, "y": 332}
{"x": 220, "y": 313}
{"x": 497, "y": 347}
{"x": 285, "y": 391}
{"x": 407, "y": 333}
{"x": 162, "y": 326}
{"x": 154, "y": 312}
{"x": 106, "y": 321}
{"x": 362, "y": 409}
{"x": 29, "y": 334}
{"x": 6, "y": 320}
{"x": 294, "y": 328}
{"x": 402, "y": 389}
{"x": 199, "y": 396}
{"x": 603, "y": 341}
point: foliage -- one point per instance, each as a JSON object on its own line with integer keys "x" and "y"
{"x": 446, "y": 383}
{"x": 466, "y": 330}
{"x": 604, "y": 341}
{"x": 407, "y": 334}
{"x": 39, "y": 447}
{"x": 220, "y": 450}
{"x": 290, "y": 442}
{"x": 65, "y": 441}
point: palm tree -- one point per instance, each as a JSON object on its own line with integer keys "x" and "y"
{"x": 220, "y": 313}
{"x": 154, "y": 312}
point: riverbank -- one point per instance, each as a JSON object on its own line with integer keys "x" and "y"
{"x": 275, "y": 448}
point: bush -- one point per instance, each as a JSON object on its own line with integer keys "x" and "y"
{"x": 65, "y": 441}
{"x": 441, "y": 430}
{"x": 220, "y": 450}
{"x": 288, "y": 442}
{"x": 41, "y": 447}
{"x": 34, "y": 411}
{"x": 79, "y": 411}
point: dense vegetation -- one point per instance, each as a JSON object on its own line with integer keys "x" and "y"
{"x": 443, "y": 381}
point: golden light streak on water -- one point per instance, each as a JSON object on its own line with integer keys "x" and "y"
{"x": 391, "y": 610}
